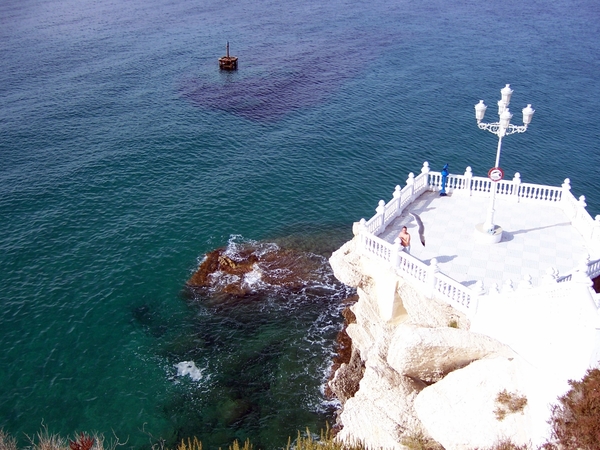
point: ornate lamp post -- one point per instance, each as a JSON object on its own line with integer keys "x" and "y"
{"x": 488, "y": 232}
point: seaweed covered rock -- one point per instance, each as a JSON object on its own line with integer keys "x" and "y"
{"x": 248, "y": 268}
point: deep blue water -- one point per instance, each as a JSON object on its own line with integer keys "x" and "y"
{"x": 125, "y": 156}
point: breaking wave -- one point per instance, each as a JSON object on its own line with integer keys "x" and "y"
{"x": 188, "y": 368}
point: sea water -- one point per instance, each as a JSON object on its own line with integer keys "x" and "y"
{"x": 126, "y": 156}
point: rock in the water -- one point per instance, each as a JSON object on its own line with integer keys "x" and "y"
{"x": 255, "y": 267}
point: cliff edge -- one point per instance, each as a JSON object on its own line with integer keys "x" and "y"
{"x": 421, "y": 367}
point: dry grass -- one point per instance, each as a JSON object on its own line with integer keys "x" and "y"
{"x": 509, "y": 403}
{"x": 507, "y": 444}
{"x": 325, "y": 442}
{"x": 236, "y": 445}
{"x": 7, "y": 442}
{"x": 575, "y": 419}
{"x": 194, "y": 444}
{"x": 44, "y": 440}
{"x": 418, "y": 441}
{"x": 305, "y": 441}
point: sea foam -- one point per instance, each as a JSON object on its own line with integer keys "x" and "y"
{"x": 189, "y": 368}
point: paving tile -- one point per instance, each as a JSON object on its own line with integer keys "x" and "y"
{"x": 537, "y": 237}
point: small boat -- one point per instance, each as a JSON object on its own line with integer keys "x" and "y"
{"x": 228, "y": 62}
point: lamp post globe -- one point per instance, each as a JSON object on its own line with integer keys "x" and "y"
{"x": 506, "y": 93}
{"x": 505, "y": 119}
{"x": 501, "y": 107}
{"x": 480, "y": 111}
{"x": 527, "y": 114}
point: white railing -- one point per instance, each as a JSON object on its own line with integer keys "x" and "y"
{"x": 469, "y": 185}
{"x": 591, "y": 269}
{"x": 439, "y": 284}
{"x": 457, "y": 294}
{"x": 385, "y": 213}
{"x": 594, "y": 269}
{"x": 377, "y": 247}
{"x": 428, "y": 276}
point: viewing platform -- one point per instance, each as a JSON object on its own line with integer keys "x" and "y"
{"x": 490, "y": 261}
{"x": 548, "y": 236}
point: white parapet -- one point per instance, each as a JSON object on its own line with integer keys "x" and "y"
{"x": 466, "y": 185}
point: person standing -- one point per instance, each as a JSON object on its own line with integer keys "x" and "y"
{"x": 405, "y": 239}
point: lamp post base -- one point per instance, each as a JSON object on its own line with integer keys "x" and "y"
{"x": 483, "y": 236}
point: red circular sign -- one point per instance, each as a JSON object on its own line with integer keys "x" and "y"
{"x": 495, "y": 174}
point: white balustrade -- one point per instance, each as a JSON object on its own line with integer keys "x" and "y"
{"x": 516, "y": 184}
{"x": 374, "y": 224}
{"x": 377, "y": 247}
{"x": 390, "y": 212}
{"x": 467, "y": 180}
{"x": 441, "y": 285}
{"x": 480, "y": 184}
{"x": 596, "y": 229}
{"x": 540, "y": 193}
{"x": 411, "y": 266}
{"x": 405, "y": 199}
{"x": 454, "y": 182}
{"x": 421, "y": 184}
{"x": 454, "y": 293}
{"x": 435, "y": 180}
{"x": 594, "y": 269}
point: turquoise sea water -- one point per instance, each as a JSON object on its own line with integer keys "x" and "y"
{"x": 125, "y": 156}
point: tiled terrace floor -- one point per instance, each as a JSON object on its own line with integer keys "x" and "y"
{"x": 536, "y": 237}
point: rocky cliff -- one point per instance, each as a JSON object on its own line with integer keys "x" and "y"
{"x": 423, "y": 371}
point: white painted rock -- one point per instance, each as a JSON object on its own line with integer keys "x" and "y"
{"x": 346, "y": 264}
{"x": 430, "y": 353}
{"x": 428, "y": 312}
{"x": 381, "y": 410}
{"x": 458, "y": 411}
